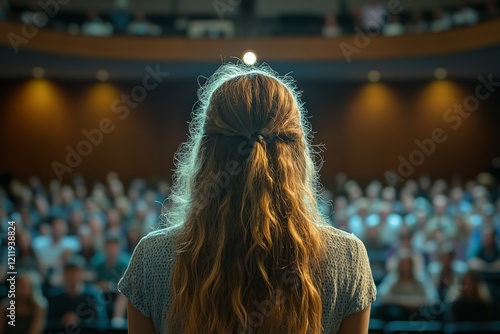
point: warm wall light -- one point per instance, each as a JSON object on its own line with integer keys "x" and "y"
{"x": 98, "y": 99}
{"x": 374, "y": 76}
{"x": 249, "y": 58}
{"x": 440, "y": 73}
{"x": 102, "y": 75}
{"x": 40, "y": 106}
{"x": 374, "y": 101}
{"x": 436, "y": 98}
{"x": 38, "y": 72}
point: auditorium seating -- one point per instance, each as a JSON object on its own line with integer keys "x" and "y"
{"x": 414, "y": 327}
{"x": 472, "y": 327}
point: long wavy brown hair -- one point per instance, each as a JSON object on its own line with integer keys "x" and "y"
{"x": 249, "y": 233}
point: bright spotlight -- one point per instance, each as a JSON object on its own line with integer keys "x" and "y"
{"x": 38, "y": 72}
{"x": 440, "y": 73}
{"x": 249, "y": 58}
{"x": 374, "y": 76}
{"x": 102, "y": 75}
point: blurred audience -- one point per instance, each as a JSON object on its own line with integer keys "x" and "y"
{"x": 441, "y": 20}
{"x": 447, "y": 272}
{"x": 465, "y": 15}
{"x": 79, "y": 305}
{"x": 51, "y": 249}
{"x": 487, "y": 257}
{"x": 373, "y": 17}
{"x": 422, "y": 237}
{"x": 406, "y": 289}
{"x": 394, "y": 27}
{"x": 96, "y": 26}
{"x": 140, "y": 26}
{"x": 331, "y": 27}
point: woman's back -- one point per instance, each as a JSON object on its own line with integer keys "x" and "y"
{"x": 347, "y": 280}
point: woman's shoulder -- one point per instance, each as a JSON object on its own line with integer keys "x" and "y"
{"x": 158, "y": 240}
{"x": 344, "y": 251}
{"x": 336, "y": 238}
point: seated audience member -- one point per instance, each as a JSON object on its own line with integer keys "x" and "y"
{"x": 120, "y": 16}
{"x": 331, "y": 27}
{"x": 140, "y": 26}
{"x": 30, "y": 306}
{"x": 417, "y": 24}
{"x": 404, "y": 248}
{"x": 416, "y": 222}
{"x": 389, "y": 225}
{"x": 87, "y": 249}
{"x": 461, "y": 240}
{"x": 457, "y": 204}
{"x": 79, "y": 305}
{"x": 76, "y": 220}
{"x": 474, "y": 301}
{"x": 440, "y": 220}
{"x": 465, "y": 15}
{"x": 487, "y": 257}
{"x": 389, "y": 196}
{"x": 41, "y": 210}
{"x": 115, "y": 223}
{"x": 357, "y": 220}
{"x": 394, "y": 27}
{"x": 96, "y": 225}
{"x": 67, "y": 204}
{"x": 372, "y": 16}
{"x": 447, "y": 273}
{"x": 407, "y": 288}
{"x": 144, "y": 216}
{"x": 95, "y": 26}
{"x": 133, "y": 237}
{"x": 372, "y": 192}
{"x": 442, "y": 20}
{"x": 51, "y": 248}
{"x": 110, "y": 265}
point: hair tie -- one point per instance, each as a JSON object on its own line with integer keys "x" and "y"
{"x": 256, "y": 136}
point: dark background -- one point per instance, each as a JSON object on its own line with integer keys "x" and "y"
{"x": 364, "y": 127}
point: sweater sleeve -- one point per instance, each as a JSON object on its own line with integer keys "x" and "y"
{"x": 133, "y": 284}
{"x": 362, "y": 291}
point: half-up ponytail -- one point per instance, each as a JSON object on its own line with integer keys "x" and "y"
{"x": 249, "y": 232}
